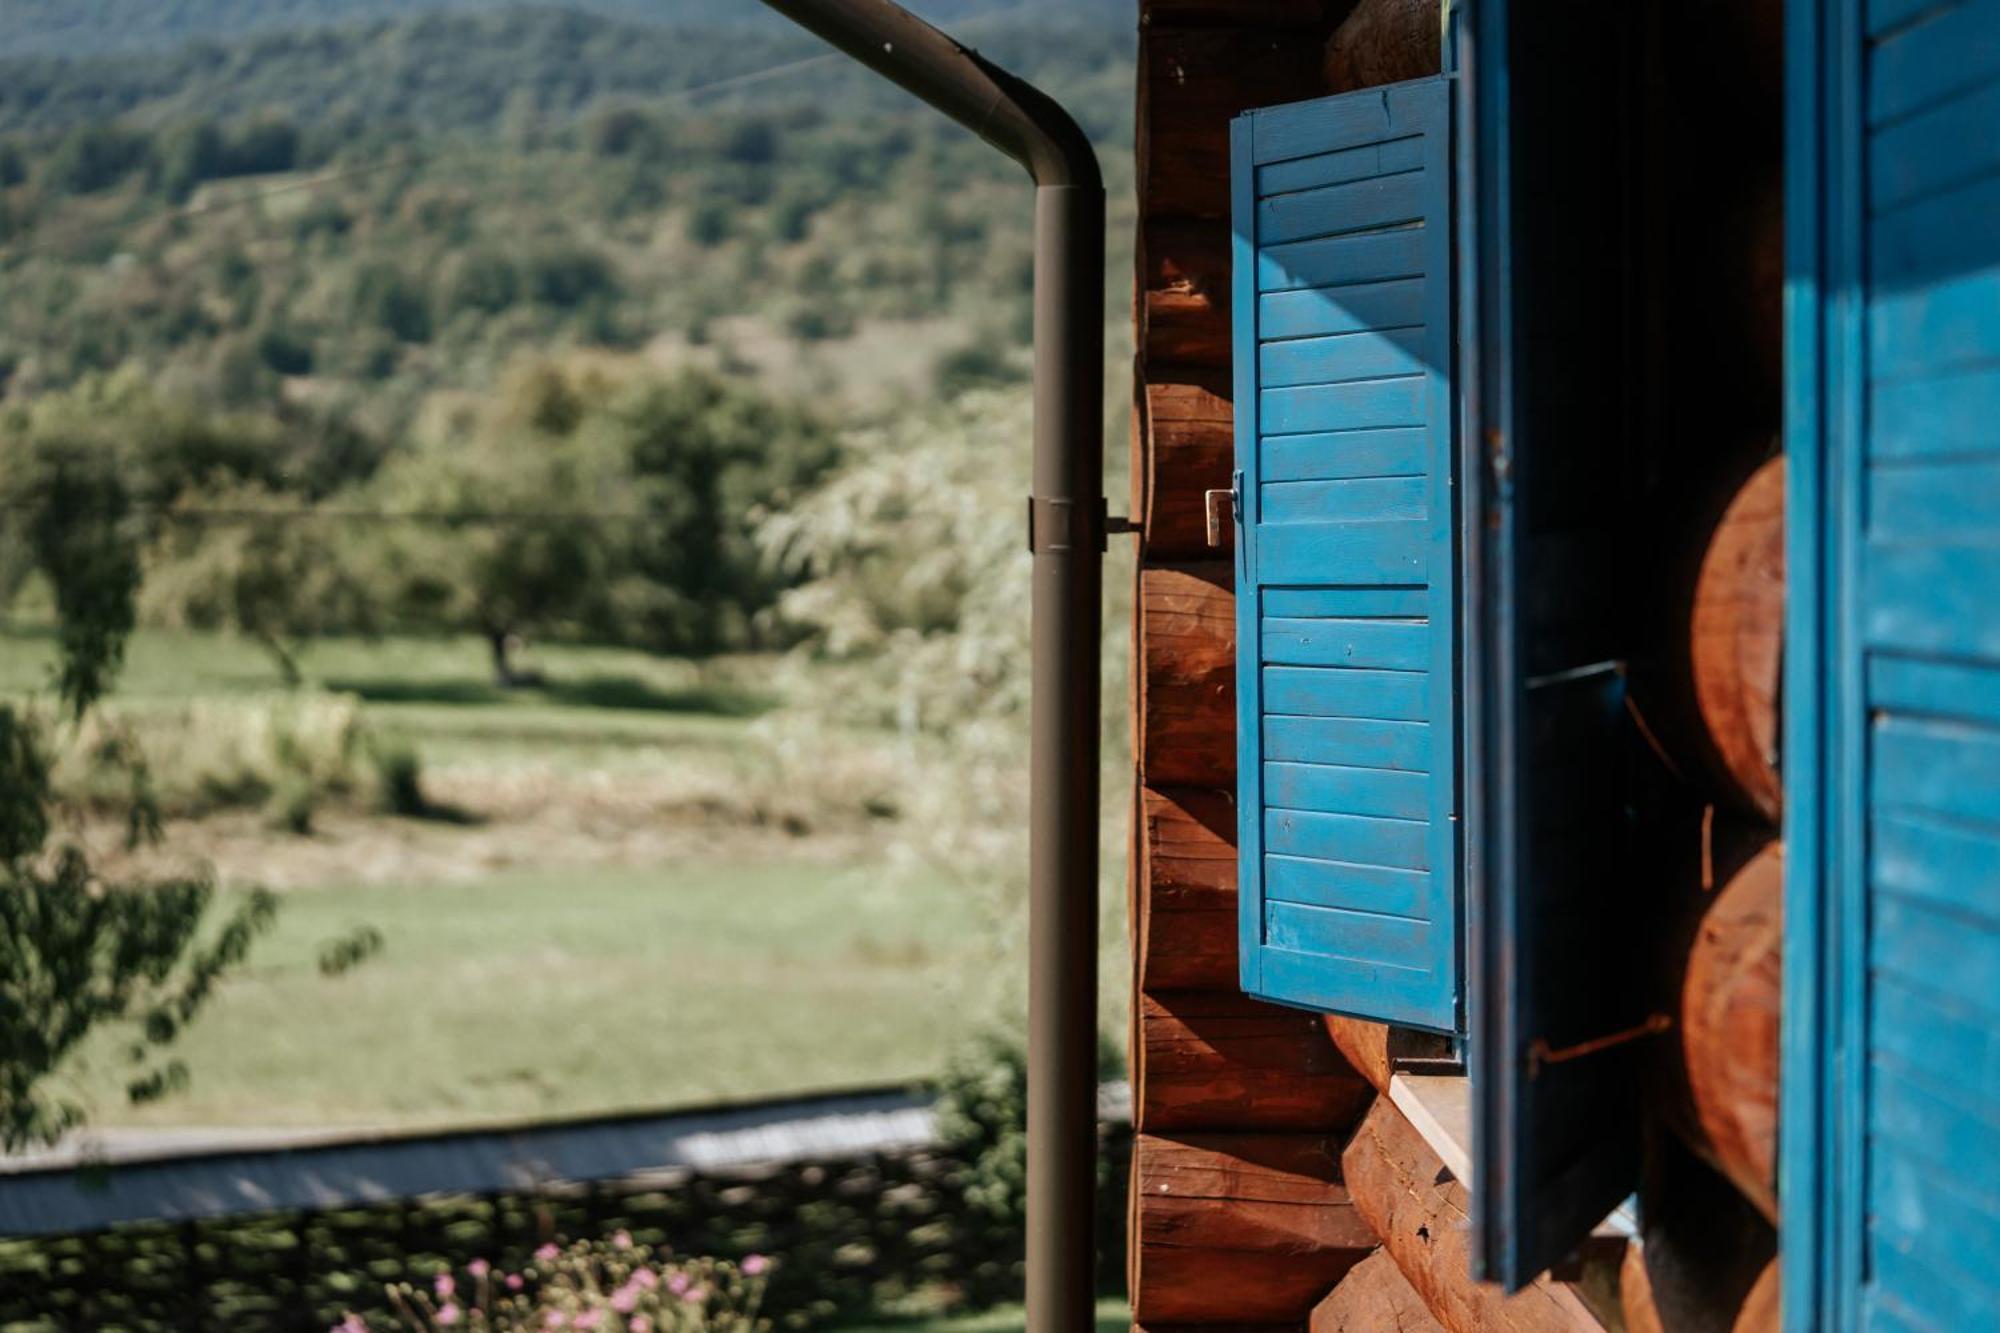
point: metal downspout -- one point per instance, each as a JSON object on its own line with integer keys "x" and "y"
{"x": 1067, "y": 535}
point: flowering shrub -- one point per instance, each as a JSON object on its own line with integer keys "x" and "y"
{"x": 610, "y": 1286}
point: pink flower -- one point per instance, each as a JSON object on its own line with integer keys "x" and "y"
{"x": 547, "y": 1252}
{"x": 755, "y": 1264}
{"x": 646, "y": 1278}
{"x": 678, "y": 1284}
{"x": 554, "y": 1319}
{"x": 695, "y": 1295}
{"x": 479, "y": 1268}
{"x": 640, "y": 1324}
{"x": 351, "y": 1324}
{"x": 445, "y": 1286}
{"x": 625, "y": 1300}
{"x": 588, "y": 1319}
{"x": 514, "y": 1282}
{"x": 621, "y": 1240}
{"x": 447, "y": 1314}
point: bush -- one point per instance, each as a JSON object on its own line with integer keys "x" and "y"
{"x": 615, "y": 1284}
{"x": 399, "y": 779}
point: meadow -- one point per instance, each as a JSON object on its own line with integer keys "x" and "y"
{"x": 634, "y": 896}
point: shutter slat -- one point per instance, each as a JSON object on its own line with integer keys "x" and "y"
{"x": 1346, "y": 600}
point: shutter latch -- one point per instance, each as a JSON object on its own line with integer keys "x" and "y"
{"x": 1212, "y": 505}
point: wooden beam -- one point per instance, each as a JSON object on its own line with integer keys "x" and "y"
{"x": 1186, "y": 911}
{"x": 1635, "y": 1293}
{"x": 1384, "y": 41}
{"x": 1192, "y": 82}
{"x": 1374, "y": 1298}
{"x": 1422, "y": 1213}
{"x": 1184, "y": 292}
{"x": 1189, "y": 446}
{"x": 1218, "y": 1060}
{"x": 1760, "y": 1309}
{"x": 1240, "y": 1228}
{"x": 1365, "y": 1046}
{"x": 1187, "y": 677}
{"x": 1738, "y": 641}
{"x": 1730, "y": 1003}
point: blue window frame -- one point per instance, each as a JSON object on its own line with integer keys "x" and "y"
{"x": 1890, "y": 1134}
{"x": 1347, "y": 562}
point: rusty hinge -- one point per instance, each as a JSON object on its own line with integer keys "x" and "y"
{"x": 1541, "y": 1053}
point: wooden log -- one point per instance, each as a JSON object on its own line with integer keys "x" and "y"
{"x": 1384, "y": 41}
{"x": 1184, "y": 292}
{"x": 1192, "y": 82}
{"x": 1244, "y": 1229}
{"x": 1189, "y": 445}
{"x": 1185, "y": 917}
{"x": 1704, "y": 1245}
{"x": 1635, "y": 1294}
{"x": 1760, "y": 1309}
{"x": 1730, "y": 1001}
{"x": 1422, "y": 1213}
{"x": 1365, "y": 1046}
{"x": 1187, "y": 680}
{"x": 1374, "y": 1298}
{"x": 1737, "y": 641}
{"x": 1218, "y": 1060}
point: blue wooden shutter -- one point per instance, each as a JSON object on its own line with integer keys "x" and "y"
{"x": 1891, "y": 1121}
{"x": 1347, "y": 673}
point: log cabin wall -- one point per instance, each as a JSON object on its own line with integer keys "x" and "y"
{"x": 1239, "y": 1219}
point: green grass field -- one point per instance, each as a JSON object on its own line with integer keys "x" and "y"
{"x": 537, "y": 993}
{"x": 629, "y": 915}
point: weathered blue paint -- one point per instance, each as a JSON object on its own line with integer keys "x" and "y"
{"x": 1891, "y": 1096}
{"x": 1346, "y": 597}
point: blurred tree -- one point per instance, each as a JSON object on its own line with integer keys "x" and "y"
{"x": 79, "y": 953}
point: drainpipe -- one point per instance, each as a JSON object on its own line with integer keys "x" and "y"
{"x": 1066, "y": 532}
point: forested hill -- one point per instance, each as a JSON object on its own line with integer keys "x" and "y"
{"x": 90, "y": 27}
{"x": 447, "y": 71}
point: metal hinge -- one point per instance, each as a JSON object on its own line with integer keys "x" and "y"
{"x": 1056, "y": 520}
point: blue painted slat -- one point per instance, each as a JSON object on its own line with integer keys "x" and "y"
{"x": 1395, "y": 843}
{"x": 1930, "y": 1292}
{"x": 1935, "y": 1133}
{"x": 1884, "y": 15}
{"x": 1306, "y": 173}
{"x": 1313, "y": 311}
{"x": 1935, "y": 501}
{"x": 1362, "y": 405}
{"x": 1942, "y": 767}
{"x": 1346, "y": 766}
{"x": 1920, "y": 1207}
{"x": 1387, "y": 645}
{"x": 1339, "y": 210}
{"x": 1342, "y": 261}
{"x": 1952, "y": 1043}
{"x": 1955, "y": 865}
{"x": 1381, "y": 792}
{"x": 1946, "y": 146}
{"x": 1391, "y": 696}
{"x": 1346, "y": 884}
{"x": 1939, "y": 416}
{"x": 1929, "y": 948}
{"x": 1381, "y": 602}
{"x": 1927, "y": 63}
{"x": 1355, "y": 742}
{"x": 1932, "y": 598}
{"x": 1329, "y": 124}
{"x": 1398, "y": 940}
{"x": 1881, "y": 1314}
{"x": 1922, "y": 328}
{"x": 1388, "y": 551}
{"x": 1965, "y": 690}
{"x": 1351, "y": 500}
{"x": 1340, "y": 358}
{"x": 1934, "y": 238}
{"x": 1323, "y": 456}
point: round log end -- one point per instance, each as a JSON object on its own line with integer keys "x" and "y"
{"x": 1738, "y": 640}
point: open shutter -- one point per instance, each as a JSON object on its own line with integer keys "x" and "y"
{"x": 1345, "y": 577}
{"x": 1891, "y": 1120}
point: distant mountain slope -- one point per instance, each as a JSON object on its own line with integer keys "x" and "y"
{"x": 92, "y": 27}
{"x": 446, "y": 71}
